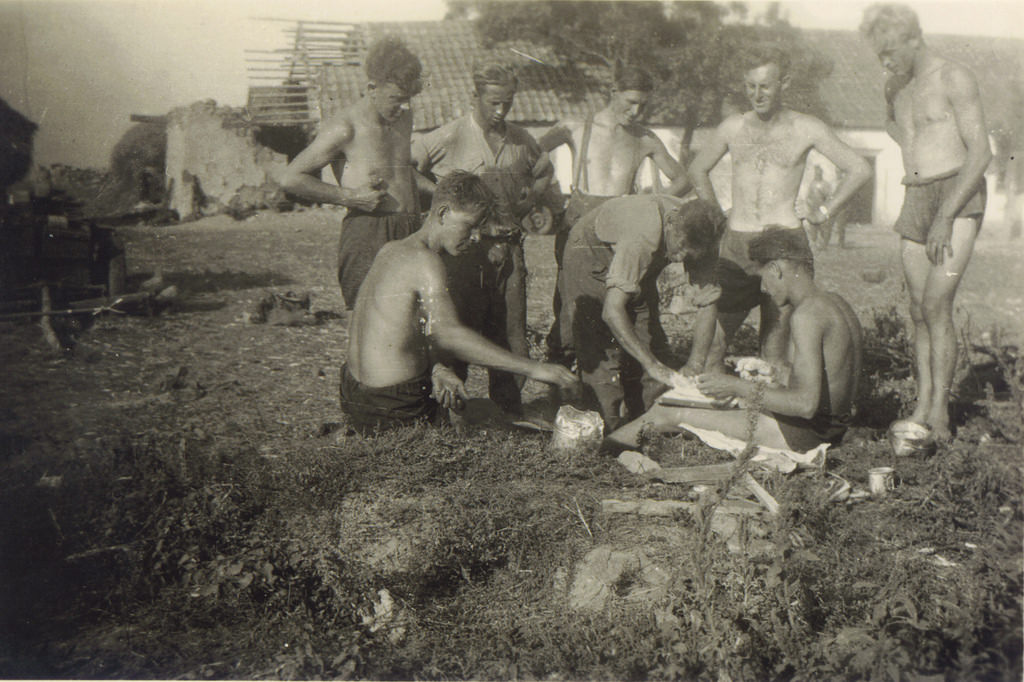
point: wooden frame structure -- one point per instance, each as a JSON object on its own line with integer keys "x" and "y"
{"x": 284, "y": 83}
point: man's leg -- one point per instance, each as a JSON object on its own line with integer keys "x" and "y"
{"x": 937, "y": 307}
{"x": 507, "y": 327}
{"x": 733, "y": 423}
{"x": 915, "y": 270}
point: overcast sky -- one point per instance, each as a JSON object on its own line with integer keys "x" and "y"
{"x": 79, "y": 68}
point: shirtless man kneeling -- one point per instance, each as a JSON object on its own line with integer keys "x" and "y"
{"x": 405, "y": 325}
{"x": 824, "y": 359}
{"x": 935, "y": 116}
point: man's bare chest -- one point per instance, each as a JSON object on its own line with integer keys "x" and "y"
{"x": 779, "y": 146}
{"x": 920, "y": 105}
{"x": 614, "y": 149}
{"x": 383, "y": 142}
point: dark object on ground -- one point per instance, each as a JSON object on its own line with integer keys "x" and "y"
{"x": 288, "y": 309}
{"x": 42, "y": 242}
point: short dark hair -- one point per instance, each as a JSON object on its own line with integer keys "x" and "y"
{"x": 390, "y": 61}
{"x": 764, "y": 54}
{"x": 887, "y": 23}
{"x": 628, "y": 77}
{"x": 700, "y": 223}
{"x": 780, "y": 243}
{"x": 494, "y": 73}
{"x": 464, "y": 191}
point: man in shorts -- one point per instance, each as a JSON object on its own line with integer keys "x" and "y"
{"x": 769, "y": 147}
{"x": 367, "y": 146}
{"x": 405, "y": 331}
{"x": 813, "y": 402}
{"x": 488, "y": 283}
{"x": 610, "y": 299}
{"x": 608, "y": 149}
{"x": 935, "y": 115}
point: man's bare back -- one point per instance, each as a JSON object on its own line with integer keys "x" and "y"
{"x": 833, "y": 321}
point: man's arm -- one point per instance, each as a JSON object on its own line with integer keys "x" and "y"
{"x": 615, "y": 315}
{"x": 706, "y": 319}
{"x": 856, "y": 170}
{"x": 446, "y": 334}
{"x": 555, "y": 136}
{"x": 300, "y": 177}
{"x": 962, "y": 91}
{"x": 802, "y": 396}
{"x": 710, "y": 154}
{"x": 680, "y": 181}
{"x": 893, "y": 85}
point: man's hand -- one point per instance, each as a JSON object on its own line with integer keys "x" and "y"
{"x": 366, "y": 197}
{"x": 689, "y": 370}
{"x": 554, "y": 374}
{"x": 704, "y": 296}
{"x": 721, "y": 386}
{"x": 661, "y": 372}
{"x": 938, "y": 240}
{"x": 448, "y": 389}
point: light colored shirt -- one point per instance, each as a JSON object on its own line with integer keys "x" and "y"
{"x": 632, "y": 227}
{"x": 461, "y": 145}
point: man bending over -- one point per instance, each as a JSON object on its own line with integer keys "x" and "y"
{"x": 814, "y": 403}
{"x": 935, "y": 116}
{"x": 405, "y": 326}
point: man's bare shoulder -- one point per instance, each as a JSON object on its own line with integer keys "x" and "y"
{"x": 802, "y": 122}
{"x": 341, "y": 125}
{"x": 731, "y": 126}
{"x": 822, "y": 310}
{"x": 956, "y": 76}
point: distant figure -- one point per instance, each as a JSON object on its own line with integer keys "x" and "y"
{"x": 610, "y": 298}
{"x": 405, "y": 329}
{"x": 367, "y": 146}
{"x": 769, "y": 148}
{"x": 818, "y": 194}
{"x": 935, "y": 115}
{"x": 488, "y": 284}
{"x": 608, "y": 149}
{"x": 814, "y": 401}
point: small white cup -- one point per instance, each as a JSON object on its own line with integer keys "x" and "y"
{"x": 881, "y": 481}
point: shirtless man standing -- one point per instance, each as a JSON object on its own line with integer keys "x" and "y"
{"x": 935, "y": 115}
{"x": 769, "y": 148}
{"x": 608, "y": 149}
{"x": 814, "y": 403}
{"x": 405, "y": 326}
{"x": 367, "y": 146}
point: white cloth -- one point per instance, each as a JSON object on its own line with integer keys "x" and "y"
{"x": 784, "y": 461}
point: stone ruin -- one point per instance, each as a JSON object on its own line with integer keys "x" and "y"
{"x": 215, "y": 165}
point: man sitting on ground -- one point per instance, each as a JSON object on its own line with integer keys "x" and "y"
{"x": 405, "y": 326}
{"x": 814, "y": 403}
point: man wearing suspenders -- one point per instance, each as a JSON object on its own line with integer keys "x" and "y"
{"x": 608, "y": 149}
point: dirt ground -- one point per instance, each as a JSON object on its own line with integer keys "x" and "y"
{"x": 214, "y": 448}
